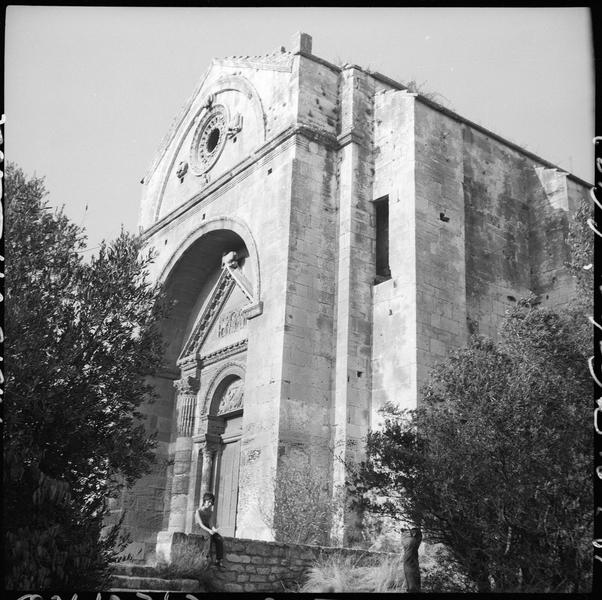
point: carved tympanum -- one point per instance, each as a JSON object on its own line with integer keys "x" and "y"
{"x": 232, "y": 398}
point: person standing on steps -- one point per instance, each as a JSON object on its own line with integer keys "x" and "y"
{"x": 205, "y": 519}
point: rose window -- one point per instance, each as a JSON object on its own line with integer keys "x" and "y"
{"x": 208, "y": 141}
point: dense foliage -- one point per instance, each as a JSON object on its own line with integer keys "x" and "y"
{"x": 81, "y": 338}
{"x": 495, "y": 464}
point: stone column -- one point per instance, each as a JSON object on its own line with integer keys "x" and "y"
{"x": 185, "y": 406}
{"x": 209, "y": 452}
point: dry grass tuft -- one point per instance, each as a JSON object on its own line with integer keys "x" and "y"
{"x": 337, "y": 573}
{"x": 188, "y": 562}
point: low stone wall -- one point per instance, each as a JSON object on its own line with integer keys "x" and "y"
{"x": 258, "y": 566}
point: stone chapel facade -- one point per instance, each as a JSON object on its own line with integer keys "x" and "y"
{"x": 326, "y": 236}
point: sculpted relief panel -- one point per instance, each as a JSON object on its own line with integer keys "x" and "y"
{"x": 229, "y": 326}
{"x": 220, "y": 328}
{"x": 230, "y": 322}
{"x": 233, "y": 398}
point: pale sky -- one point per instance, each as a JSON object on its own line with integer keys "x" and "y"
{"x": 91, "y": 91}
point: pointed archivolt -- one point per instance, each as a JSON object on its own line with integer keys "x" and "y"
{"x": 229, "y": 277}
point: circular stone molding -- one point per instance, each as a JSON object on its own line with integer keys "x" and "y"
{"x": 209, "y": 140}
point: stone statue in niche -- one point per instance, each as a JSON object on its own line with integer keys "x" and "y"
{"x": 233, "y": 398}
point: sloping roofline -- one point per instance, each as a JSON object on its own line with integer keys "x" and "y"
{"x": 243, "y": 61}
{"x": 450, "y": 113}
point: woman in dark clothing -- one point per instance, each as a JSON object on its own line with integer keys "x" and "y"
{"x": 206, "y": 520}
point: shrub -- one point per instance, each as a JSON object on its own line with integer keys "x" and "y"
{"x": 81, "y": 341}
{"x": 495, "y": 462}
{"x": 303, "y": 508}
{"x": 442, "y": 575}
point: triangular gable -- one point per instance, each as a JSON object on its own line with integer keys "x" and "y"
{"x": 228, "y": 327}
{"x": 222, "y": 320}
{"x": 220, "y": 293}
{"x": 276, "y": 61}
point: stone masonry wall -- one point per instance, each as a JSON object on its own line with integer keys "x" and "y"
{"x": 394, "y": 340}
{"x": 441, "y": 277}
{"x": 258, "y": 566}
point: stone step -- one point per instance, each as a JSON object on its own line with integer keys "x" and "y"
{"x": 126, "y": 582}
{"x": 133, "y": 569}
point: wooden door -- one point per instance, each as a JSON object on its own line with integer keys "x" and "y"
{"x": 227, "y": 478}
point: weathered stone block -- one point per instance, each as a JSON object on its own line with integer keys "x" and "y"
{"x": 237, "y": 558}
{"x": 250, "y": 587}
{"x": 263, "y": 570}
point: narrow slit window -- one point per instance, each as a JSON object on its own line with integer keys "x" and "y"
{"x": 381, "y": 207}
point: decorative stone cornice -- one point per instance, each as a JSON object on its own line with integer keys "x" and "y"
{"x": 277, "y": 61}
{"x": 353, "y": 136}
{"x": 189, "y": 363}
{"x": 246, "y": 167}
{"x": 253, "y": 310}
{"x": 213, "y": 357}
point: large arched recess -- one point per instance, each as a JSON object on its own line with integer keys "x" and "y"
{"x": 192, "y": 270}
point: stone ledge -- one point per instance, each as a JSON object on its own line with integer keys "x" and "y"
{"x": 155, "y": 583}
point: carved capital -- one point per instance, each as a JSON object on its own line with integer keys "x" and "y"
{"x": 187, "y": 385}
{"x": 209, "y": 444}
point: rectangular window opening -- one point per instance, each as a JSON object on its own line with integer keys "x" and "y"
{"x": 381, "y": 210}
